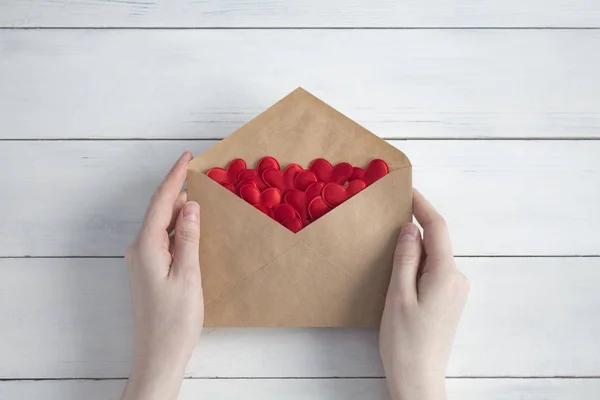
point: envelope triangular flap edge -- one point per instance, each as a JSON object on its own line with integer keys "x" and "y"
{"x": 298, "y": 129}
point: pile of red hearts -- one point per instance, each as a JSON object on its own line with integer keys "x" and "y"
{"x": 296, "y": 196}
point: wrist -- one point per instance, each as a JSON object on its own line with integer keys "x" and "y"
{"x": 418, "y": 393}
{"x": 417, "y": 388}
{"x": 153, "y": 381}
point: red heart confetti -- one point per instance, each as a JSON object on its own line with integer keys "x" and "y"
{"x": 298, "y": 200}
{"x": 269, "y": 198}
{"x": 357, "y": 173}
{"x": 283, "y": 212}
{"x": 295, "y": 197}
{"x": 313, "y": 191}
{"x": 266, "y": 163}
{"x": 376, "y": 170}
{"x": 325, "y": 172}
{"x": 218, "y": 175}
{"x": 304, "y": 179}
{"x": 264, "y": 209}
{"x": 244, "y": 182}
{"x": 334, "y": 194}
{"x": 234, "y": 168}
{"x": 283, "y": 181}
{"x": 317, "y": 208}
{"x": 229, "y": 187}
{"x": 293, "y": 224}
{"x": 253, "y": 175}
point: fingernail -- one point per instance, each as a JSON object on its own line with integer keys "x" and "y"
{"x": 191, "y": 211}
{"x": 186, "y": 155}
{"x": 409, "y": 232}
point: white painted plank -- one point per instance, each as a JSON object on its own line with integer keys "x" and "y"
{"x": 87, "y": 198}
{"x": 213, "y": 389}
{"x": 315, "y": 389}
{"x": 71, "y": 318}
{"x": 307, "y": 13}
{"x": 207, "y": 83}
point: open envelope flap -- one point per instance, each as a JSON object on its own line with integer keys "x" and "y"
{"x": 360, "y": 235}
{"x": 298, "y": 129}
{"x": 236, "y": 239}
{"x": 299, "y": 288}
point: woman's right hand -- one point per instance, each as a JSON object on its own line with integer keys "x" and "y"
{"x": 425, "y": 299}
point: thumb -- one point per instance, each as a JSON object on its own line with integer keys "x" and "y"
{"x": 186, "y": 243}
{"x": 407, "y": 258}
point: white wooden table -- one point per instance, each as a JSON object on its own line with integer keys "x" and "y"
{"x": 496, "y": 102}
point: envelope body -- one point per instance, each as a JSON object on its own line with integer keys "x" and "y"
{"x": 332, "y": 273}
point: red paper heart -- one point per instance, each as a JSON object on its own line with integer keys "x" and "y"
{"x": 334, "y": 194}
{"x": 283, "y": 212}
{"x": 218, "y": 175}
{"x": 376, "y": 170}
{"x": 234, "y": 168}
{"x": 244, "y": 182}
{"x": 229, "y": 187}
{"x": 298, "y": 200}
{"x": 283, "y": 181}
{"x": 293, "y": 224}
{"x": 317, "y": 208}
{"x": 313, "y": 191}
{"x": 304, "y": 179}
{"x": 266, "y": 163}
{"x": 325, "y": 172}
{"x": 265, "y": 210}
{"x": 253, "y": 175}
{"x": 269, "y": 198}
{"x": 357, "y": 173}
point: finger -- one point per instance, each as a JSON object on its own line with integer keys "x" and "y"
{"x": 436, "y": 239}
{"x": 177, "y": 206}
{"x": 160, "y": 209}
{"x": 187, "y": 239}
{"x": 407, "y": 258}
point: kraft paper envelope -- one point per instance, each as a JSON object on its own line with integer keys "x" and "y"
{"x": 334, "y": 272}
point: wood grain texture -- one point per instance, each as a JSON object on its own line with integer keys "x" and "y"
{"x": 87, "y": 198}
{"x": 308, "y": 13}
{"x": 531, "y": 316}
{"x": 314, "y": 389}
{"x": 207, "y": 83}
